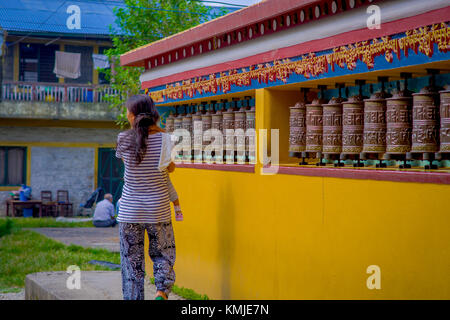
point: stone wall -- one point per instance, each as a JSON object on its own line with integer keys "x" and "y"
{"x": 59, "y": 168}
{"x": 69, "y": 169}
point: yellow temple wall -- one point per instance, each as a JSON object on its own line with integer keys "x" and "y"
{"x": 253, "y": 236}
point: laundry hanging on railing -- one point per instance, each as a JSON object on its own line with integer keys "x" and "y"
{"x": 67, "y": 65}
{"x": 101, "y": 61}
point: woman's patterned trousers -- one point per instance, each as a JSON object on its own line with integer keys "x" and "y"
{"x": 161, "y": 251}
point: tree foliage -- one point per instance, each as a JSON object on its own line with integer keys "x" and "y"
{"x": 139, "y": 23}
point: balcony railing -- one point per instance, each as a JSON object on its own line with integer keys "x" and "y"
{"x": 54, "y": 92}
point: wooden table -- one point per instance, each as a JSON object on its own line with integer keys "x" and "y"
{"x": 14, "y": 203}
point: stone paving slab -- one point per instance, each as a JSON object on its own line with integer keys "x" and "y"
{"x": 106, "y": 238}
{"x": 94, "y": 285}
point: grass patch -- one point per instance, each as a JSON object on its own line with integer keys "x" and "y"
{"x": 24, "y": 252}
{"x": 183, "y": 292}
{"x": 46, "y": 222}
{"x": 6, "y": 227}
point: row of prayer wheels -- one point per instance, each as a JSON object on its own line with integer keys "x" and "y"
{"x": 233, "y": 120}
{"x": 404, "y": 126}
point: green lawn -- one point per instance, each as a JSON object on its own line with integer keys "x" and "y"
{"x": 46, "y": 223}
{"x": 24, "y": 251}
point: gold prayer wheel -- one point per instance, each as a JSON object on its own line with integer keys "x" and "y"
{"x": 445, "y": 120}
{"x": 425, "y": 123}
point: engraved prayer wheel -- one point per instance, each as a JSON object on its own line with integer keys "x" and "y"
{"x": 217, "y": 117}
{"x": 353, "y": 125}
{"x": 399, "y": 123}
{"x": 374, "y": 139}
{"x": 250, "y": 135}
{"x": 178, "y": 124}
{"x": 178, "y": 121}
{"x": 197, "y": 135}
{"x": 170, "y": 122}
{"x": 239, "y": 128}
{"x": 425, "y": 123}
{"x": 206, "y": 126}
{"x": 228, "y": 128}
{"x": 217, "y": 124}
{"x": 332, "y": 126}
{"x": 314, "y": 125}
{"x": 445, "y": 120}
{"x": 187, "y": 125}
{"x": 297, "y": 128}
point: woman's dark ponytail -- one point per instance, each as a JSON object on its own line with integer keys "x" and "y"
{"x": 146, "y": 115}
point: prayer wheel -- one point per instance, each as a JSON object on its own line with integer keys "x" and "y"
{"x": 187, "y": 125}
{"x": 297, "y": 127}
{"x": 217, "y": 117}
{"x": 228, "y": 128}
{"x": 374, "y": 139}
{"x": 425, "y": 131}
{"x": 206, "y": 129}
{"x": 353, "y": 125}
{"x": 197, "y": 133}
{"x": 217, "y": 124}
{"x": 250, "y": 134}
{"x": 445, "y": 120}
{"x": 170, "y": 121}
{"x": 332, "y": 126}
{"x": 239, "y": 128}
{"x": 178, "y": 125}
{"x": 314, "y": 124}
{"x": 399, "y": 122}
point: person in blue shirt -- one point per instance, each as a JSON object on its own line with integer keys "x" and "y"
{"x": 104, "y": 213}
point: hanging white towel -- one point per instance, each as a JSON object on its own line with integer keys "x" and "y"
{"x": 67, "y": 65}
{"x": 101, "y": 61}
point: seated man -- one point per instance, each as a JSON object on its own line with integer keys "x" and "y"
{"x": 104, "y": 213}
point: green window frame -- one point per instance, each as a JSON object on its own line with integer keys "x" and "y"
{"x": 5, "y": 165}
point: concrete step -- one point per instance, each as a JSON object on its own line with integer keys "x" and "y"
{"x": 94, "y": 285}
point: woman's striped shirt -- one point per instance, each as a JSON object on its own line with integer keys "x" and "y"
{"x": 145, "y": 194}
